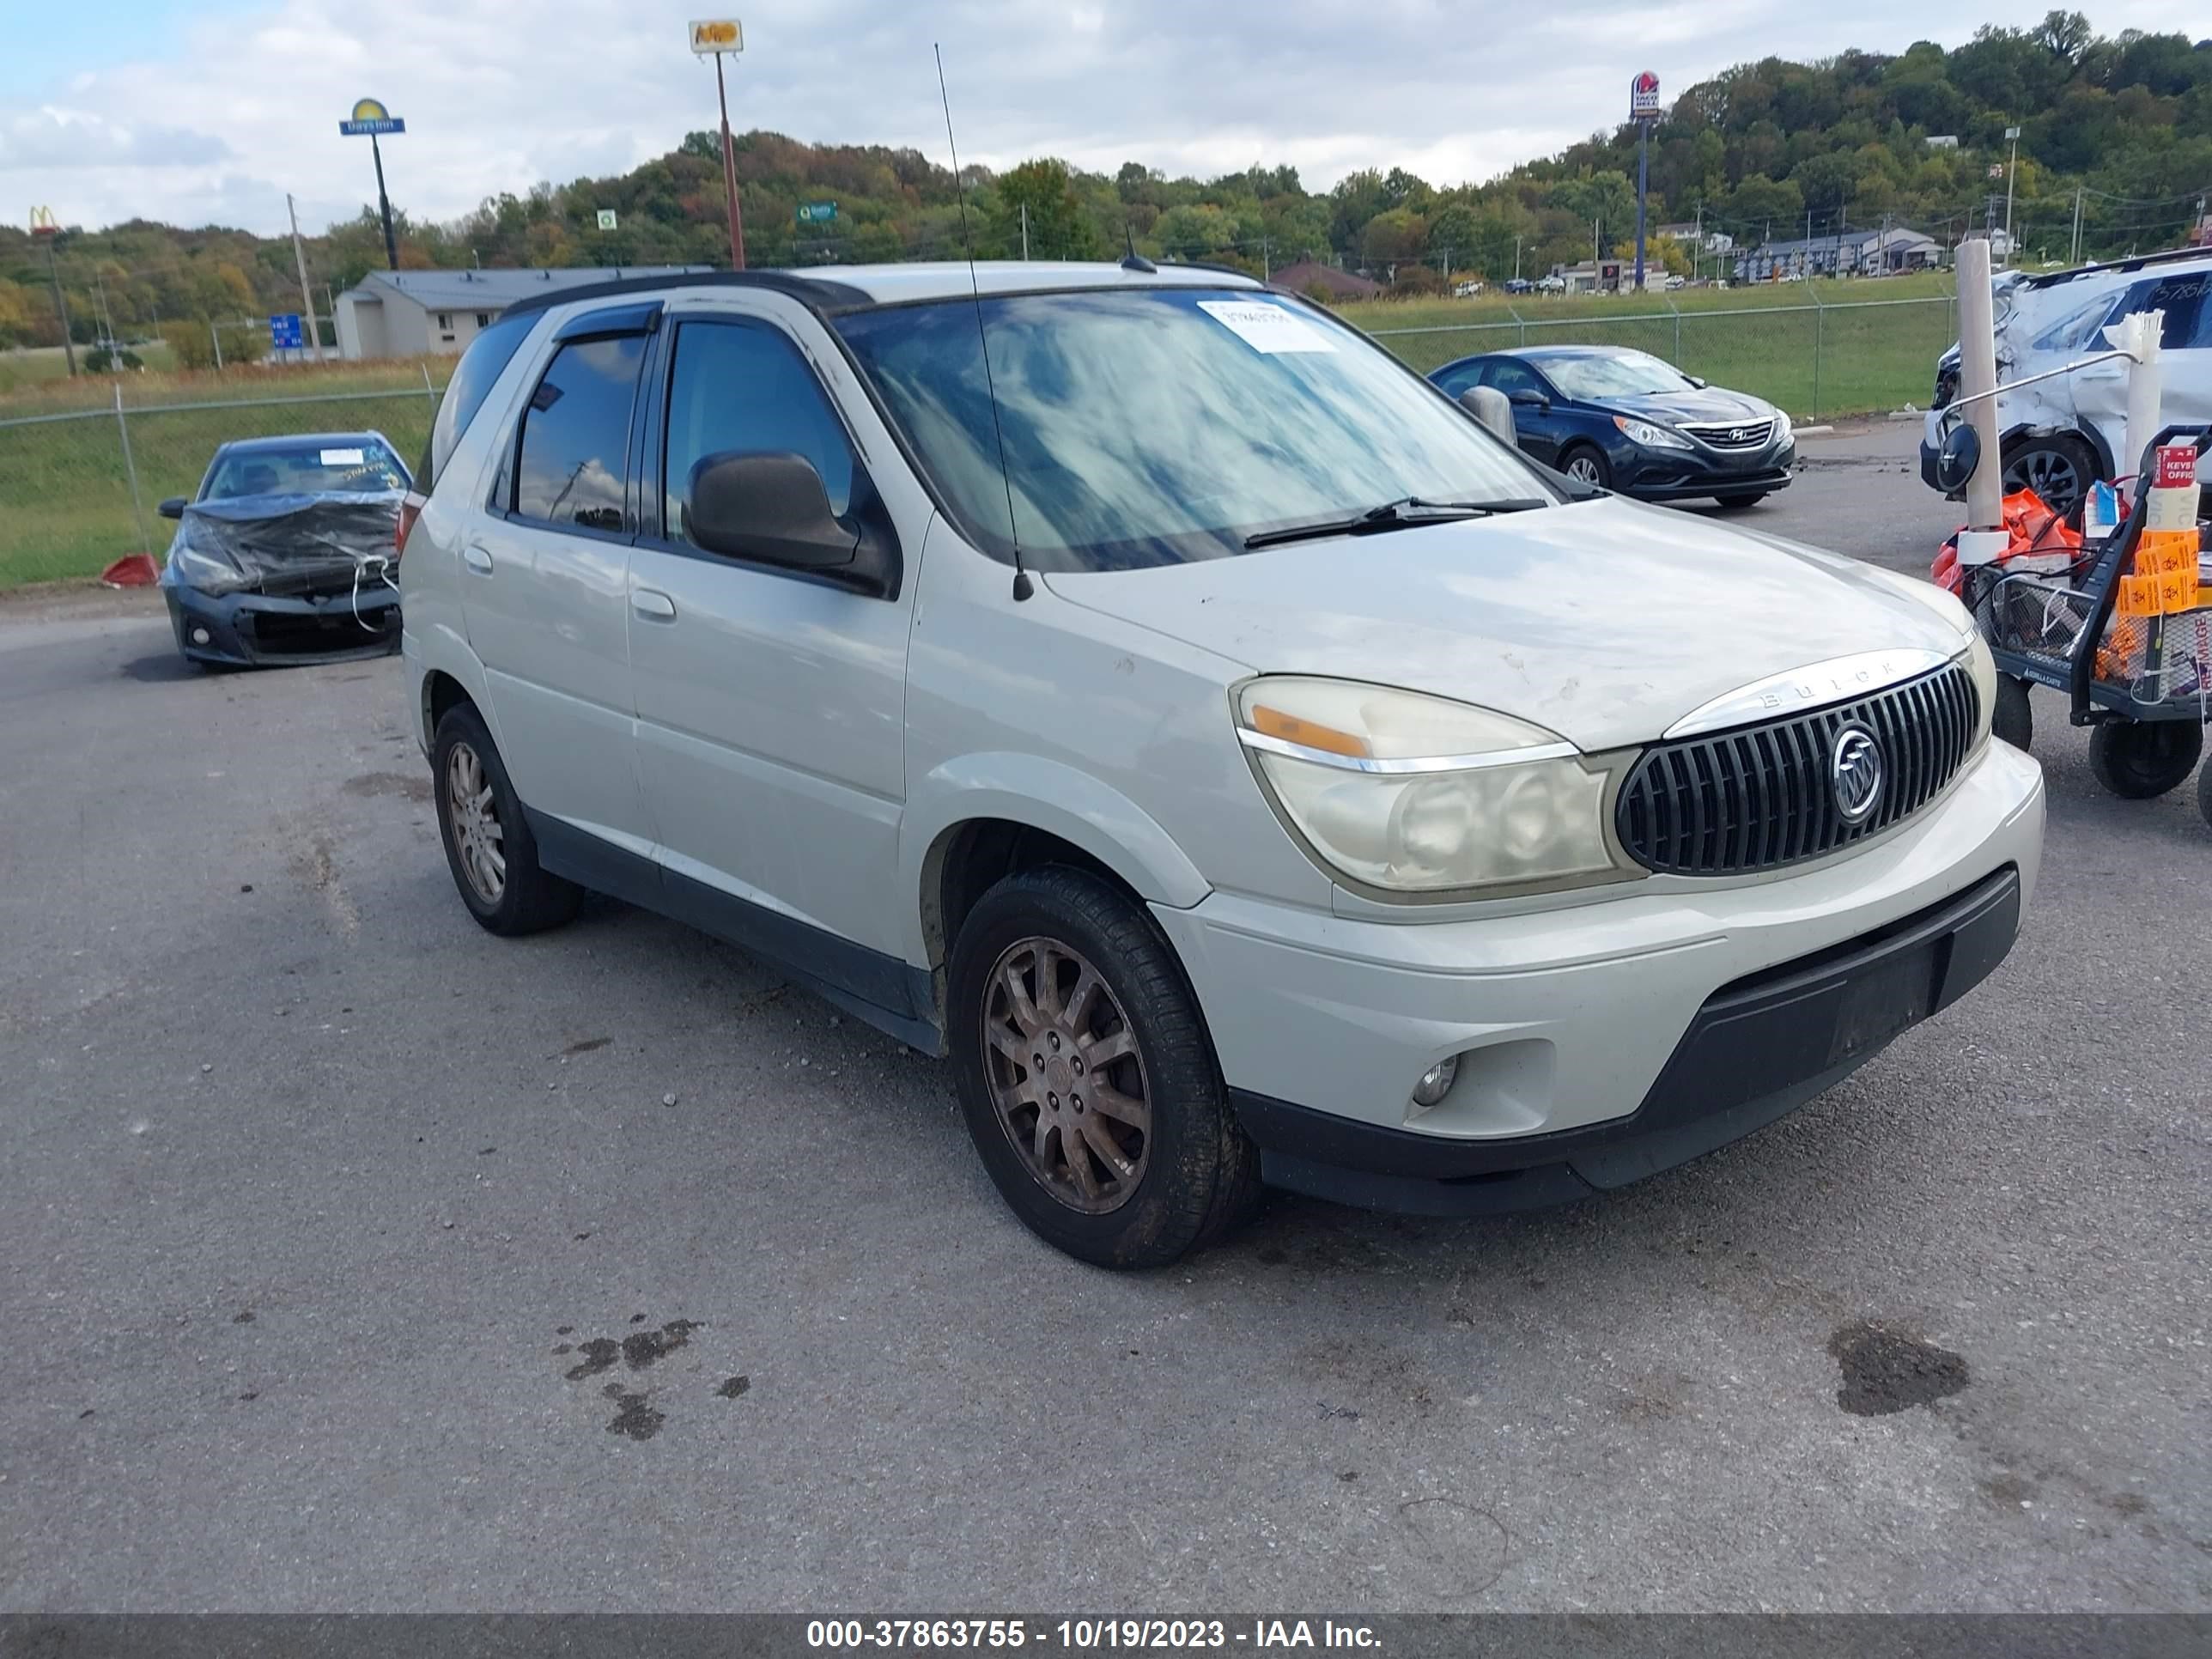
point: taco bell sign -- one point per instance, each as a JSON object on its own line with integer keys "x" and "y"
{"x": 1644, "y": 97}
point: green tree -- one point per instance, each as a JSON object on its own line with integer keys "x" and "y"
{"x": 1059, "y": 228}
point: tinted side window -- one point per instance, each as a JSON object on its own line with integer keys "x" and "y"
{"x": 1453, "y": 381}
{"x": 575, "y": 434}
{"x": 742, "y": 388}
{"x": 2182, "y": 299}
{"x": 473, "y": 375}
{"x": 1509, "y": 377}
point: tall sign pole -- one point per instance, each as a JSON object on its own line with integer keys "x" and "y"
{"x": 44, "y": 228}
{"x": 370, "y": 119}
{"x": 307, "y": 296}
{"x": 1644, "y": 110}
{"x": 717, "y": 38}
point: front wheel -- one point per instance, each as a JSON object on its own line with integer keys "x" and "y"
{"x": 1087, "y": 1078}
{"x": 1585, "y": 463}
{"x": 2204, "y": 794}
{"x": 2012, "y": 719}
{"x": 2137, "y": 760}
{"x": 2057, "y": 468}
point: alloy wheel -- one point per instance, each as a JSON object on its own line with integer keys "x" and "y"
{"x": 1583, "y": 469}
{"x": 2052, "y": 474}
{"x": 1066, "y": 1080}
{"x": 474, "y": 814}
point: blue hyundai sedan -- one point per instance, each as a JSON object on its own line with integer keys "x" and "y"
{"x": 1629, "y": 421}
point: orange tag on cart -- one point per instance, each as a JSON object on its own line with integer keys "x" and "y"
{"x": 2177, "y": 591}
{"x": 2138, "y": 596}
{"x": 2161, "y": 552}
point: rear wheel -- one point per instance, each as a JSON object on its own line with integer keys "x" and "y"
{"x": 1586, "y": 463}
{"x": 489, "y": 845}
{"x": 1086, "y": 1076}
{"x": 2137, "y": 760}
{"x": 2057, "y": 468}
{"x": 2012, "y": 719}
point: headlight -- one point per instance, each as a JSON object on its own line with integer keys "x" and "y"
{"x": 1983, "y": 667}
{"x": 1782, "y": 428}
{"x": 1650, "y": 436}
{"x": 1408, "y": 793}
{"x": 202, "y": 571}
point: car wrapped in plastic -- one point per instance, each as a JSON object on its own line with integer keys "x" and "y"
{"x": 288, "y": 553}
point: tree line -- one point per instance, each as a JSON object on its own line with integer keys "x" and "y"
{"x": 2115, "y": 147}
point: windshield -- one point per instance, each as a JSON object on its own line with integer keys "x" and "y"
{"x": 1617, "y": 374}
{"x": 1157, "y": 426}
{"x": 359, "y": 466}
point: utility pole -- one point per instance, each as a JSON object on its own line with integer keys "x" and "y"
{"x": 107, "y": 321}
{"x": 1267, "y": 262}
{"x": 1025, "y": 233}
{"x": 1516, "y": 256}
{"x": 2074, "y": 257}
{"x": 2012, "y": 165}
{"x": 306, "y": 294}
{"x": 61, "y": 305}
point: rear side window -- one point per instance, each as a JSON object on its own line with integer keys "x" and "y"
{"x": 739, "y": 388}
{"x": 473, "y": 375}
{"x": 573, "y": 467}
{"x": 2182, "y": 299}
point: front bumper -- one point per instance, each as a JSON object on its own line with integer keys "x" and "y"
{"x": 1674, "y": 475}
{"x": 1602, "y": 1040}
{"x": 263, "y": 630}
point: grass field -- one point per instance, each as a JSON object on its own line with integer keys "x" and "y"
{"x": 65, "y": 507}
{"x": 1817, "y": 349}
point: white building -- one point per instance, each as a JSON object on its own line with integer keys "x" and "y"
{"x": 419, "y": 313}
{"x": 1843, "y": 254}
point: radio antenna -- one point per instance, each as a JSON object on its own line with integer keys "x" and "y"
{"x": 1022, "y": 588}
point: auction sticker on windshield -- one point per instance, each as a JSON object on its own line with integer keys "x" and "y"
{"x": 1265, "y": 327}
{"x": 343, "y": 458}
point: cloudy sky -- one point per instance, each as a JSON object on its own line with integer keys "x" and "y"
{"x": 208, "y": 111}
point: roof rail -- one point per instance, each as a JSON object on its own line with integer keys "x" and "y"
{"x": 2136, "y": 261}
{"x": 808, "y": 290}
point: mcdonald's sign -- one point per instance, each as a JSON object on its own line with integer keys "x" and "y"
{"x": 43, "y": 222}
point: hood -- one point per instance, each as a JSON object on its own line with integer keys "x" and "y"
{"x": 1703, "y": 406}
{"x": 1604, "y": 621}
{"x": 282, "y": 543}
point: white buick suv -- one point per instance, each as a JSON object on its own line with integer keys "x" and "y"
{"x": 1140, "y": 688}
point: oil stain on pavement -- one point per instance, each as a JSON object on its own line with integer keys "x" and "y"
{"x": 1885, "y": 1371}
{"x": 635, "y": 1414}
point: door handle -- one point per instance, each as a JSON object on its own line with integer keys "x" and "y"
{"x": 653, "y": 604}
{"x": 477, "y": 559}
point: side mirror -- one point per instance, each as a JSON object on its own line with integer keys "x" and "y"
{"x": 172, "y": 508}
{"x": 1532, "y": 399}
{"x": 1955, "y": 461}
{"x": 1490, "y": 406}
{"x": 771, "y": 505}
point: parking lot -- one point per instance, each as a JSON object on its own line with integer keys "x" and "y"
{"x": 362, "y": 1260}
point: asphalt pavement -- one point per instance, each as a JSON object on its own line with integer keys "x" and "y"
{"x": 361, "y": 1260}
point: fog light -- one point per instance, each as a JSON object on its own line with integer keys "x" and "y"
{"x": 200, "y": 636}
{"x": 1436, "y": 1082}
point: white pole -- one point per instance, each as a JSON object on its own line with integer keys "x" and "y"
{"x": 2138, "y": 335}
{"x": 1977, "y": 374}
{"x": 314, "y": 340}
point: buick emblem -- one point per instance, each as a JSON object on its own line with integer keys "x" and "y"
{"x": 1855, "y": 773}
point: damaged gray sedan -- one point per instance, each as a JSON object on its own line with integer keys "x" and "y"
{"x": 289, "y": 552}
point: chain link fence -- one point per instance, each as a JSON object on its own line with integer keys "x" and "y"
{"x": 1812, "y": 360}
{"x": 80, "y": 489}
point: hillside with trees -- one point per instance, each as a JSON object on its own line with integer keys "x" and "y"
{"x": 2119, "y": 129}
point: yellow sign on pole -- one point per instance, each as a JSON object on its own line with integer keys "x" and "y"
{"x": 717, "y": 35}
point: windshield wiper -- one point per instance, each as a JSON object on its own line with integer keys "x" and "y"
{"x": 1404, "y": 513}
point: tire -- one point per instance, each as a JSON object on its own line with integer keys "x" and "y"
{"x": 2204, "y": 795}
{"x": 1188, "y": 1173}
{"x": 2057, "y": 468}
{"x": 2012, "y": 719}
{"x": 1594, "y": 468}
{"x": 1730, "y": 503}
{"x": 2138, "y": 760}
{"x": 525, "y": 898}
